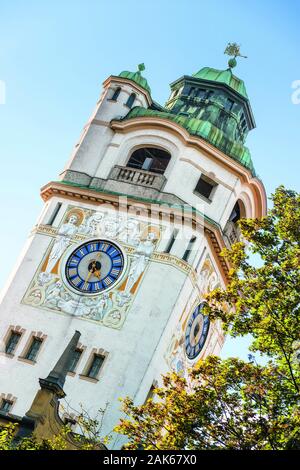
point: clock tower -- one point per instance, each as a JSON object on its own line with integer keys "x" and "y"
{"x": 129, "y": 242}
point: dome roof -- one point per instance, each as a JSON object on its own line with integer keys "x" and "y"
{"x": 223, "y": 76}
{"x": 137, "y": 78}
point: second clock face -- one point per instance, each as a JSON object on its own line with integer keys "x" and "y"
{"x": 94, "y": 266}
{"x": 196, "y": 332}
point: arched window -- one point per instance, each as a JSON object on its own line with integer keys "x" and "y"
{"x": 115, "y": 96}
{"x": 238, "y": 212}
{"x": 131, "y": 100}
{"x": 150, "y": 159}
{"x": 232, "y": 231}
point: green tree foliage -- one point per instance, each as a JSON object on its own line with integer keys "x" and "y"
{"x": 8, "y": 433}
{"x": 234, "y": 404}
{"x": 88, "y": 438}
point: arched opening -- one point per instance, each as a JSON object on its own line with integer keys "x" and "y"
{"x": 131, "y": 100}
{"x": 232, "y": 229}
{"x": 150, "y": 159}
{"x": 115, "y": 96}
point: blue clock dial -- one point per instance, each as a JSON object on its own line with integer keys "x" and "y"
{"x": 196, "y": 332}
{"x": 94, "y": 266}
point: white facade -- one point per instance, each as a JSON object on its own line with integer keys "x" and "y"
{"x": 139, "y": 325}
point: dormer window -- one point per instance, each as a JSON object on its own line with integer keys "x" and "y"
{"x": 115, "y": 96}
{"x": 205, "y": 187}
{"x": 149, "y": 159}
{"x": 229, "y": 104}
{"x": 131, "y": 100}
{"x": 201, "y": 93}
{"x": 209, "y": 94}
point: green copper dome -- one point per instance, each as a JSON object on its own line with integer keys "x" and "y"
{"x": 137, "y": 78}
{"x": 223, "y": 76}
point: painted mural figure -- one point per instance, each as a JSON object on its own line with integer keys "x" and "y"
{"x": 53, "y": 293}
{"x": 130, "y": 232}
{"x": 93, "y": 225}
{"x": 112, "y": 225}
{"x": 102, "y": 306}
{"x": 66, "y": 231}
{"x": 62, "y": 241}
{"x": 139, "y": 261}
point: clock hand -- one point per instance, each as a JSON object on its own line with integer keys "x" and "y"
{"x": 93, "y": 270}
{"x": 97, "y": 273}
{"x": 87, "y": 279}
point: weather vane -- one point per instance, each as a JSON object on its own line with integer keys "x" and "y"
{"x": 233, "y": 49}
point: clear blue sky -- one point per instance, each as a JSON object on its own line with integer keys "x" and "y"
{"x": 54, "y": 55}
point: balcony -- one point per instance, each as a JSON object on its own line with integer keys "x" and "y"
{"x": 137, "y": 177}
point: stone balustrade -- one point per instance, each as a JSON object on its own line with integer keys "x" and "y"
{"x": 137, "y": 176}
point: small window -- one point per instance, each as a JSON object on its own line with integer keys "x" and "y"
{"x": 115, "y": 96}
{"x": 33, "y": 349}
{"x": 229, "y": 104}
{"x": 189, "y": 249}
{"x": 6, "y": 406}
{"x": 74, "y": 360}
{"x": 205, "y": 186}
{"x": 171, "y": 241}
{"x": 131, "y": 100}
{"x": 201, "y": 93}
{"x": 55, "y": 213}
{"x": 192, "y": 91}
{"x": 209, "y": 94}
{"x": 95, "y": 366}
{"x": 12, "y": 342}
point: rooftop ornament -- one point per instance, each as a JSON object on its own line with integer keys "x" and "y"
{"x": 233, "y": 49}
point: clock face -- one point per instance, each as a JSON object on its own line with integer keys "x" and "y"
{"x": 196, "y": 332}
{"x": 94, "y": 266}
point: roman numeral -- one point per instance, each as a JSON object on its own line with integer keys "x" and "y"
{"x": 93, "y": 247}
{"x": 86, "y": 286}
{"x": 72, "y": 272}
{"x": 107, "y": 281}
{"x": 115, "y": 272}
{"x": 76, "y": 281}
